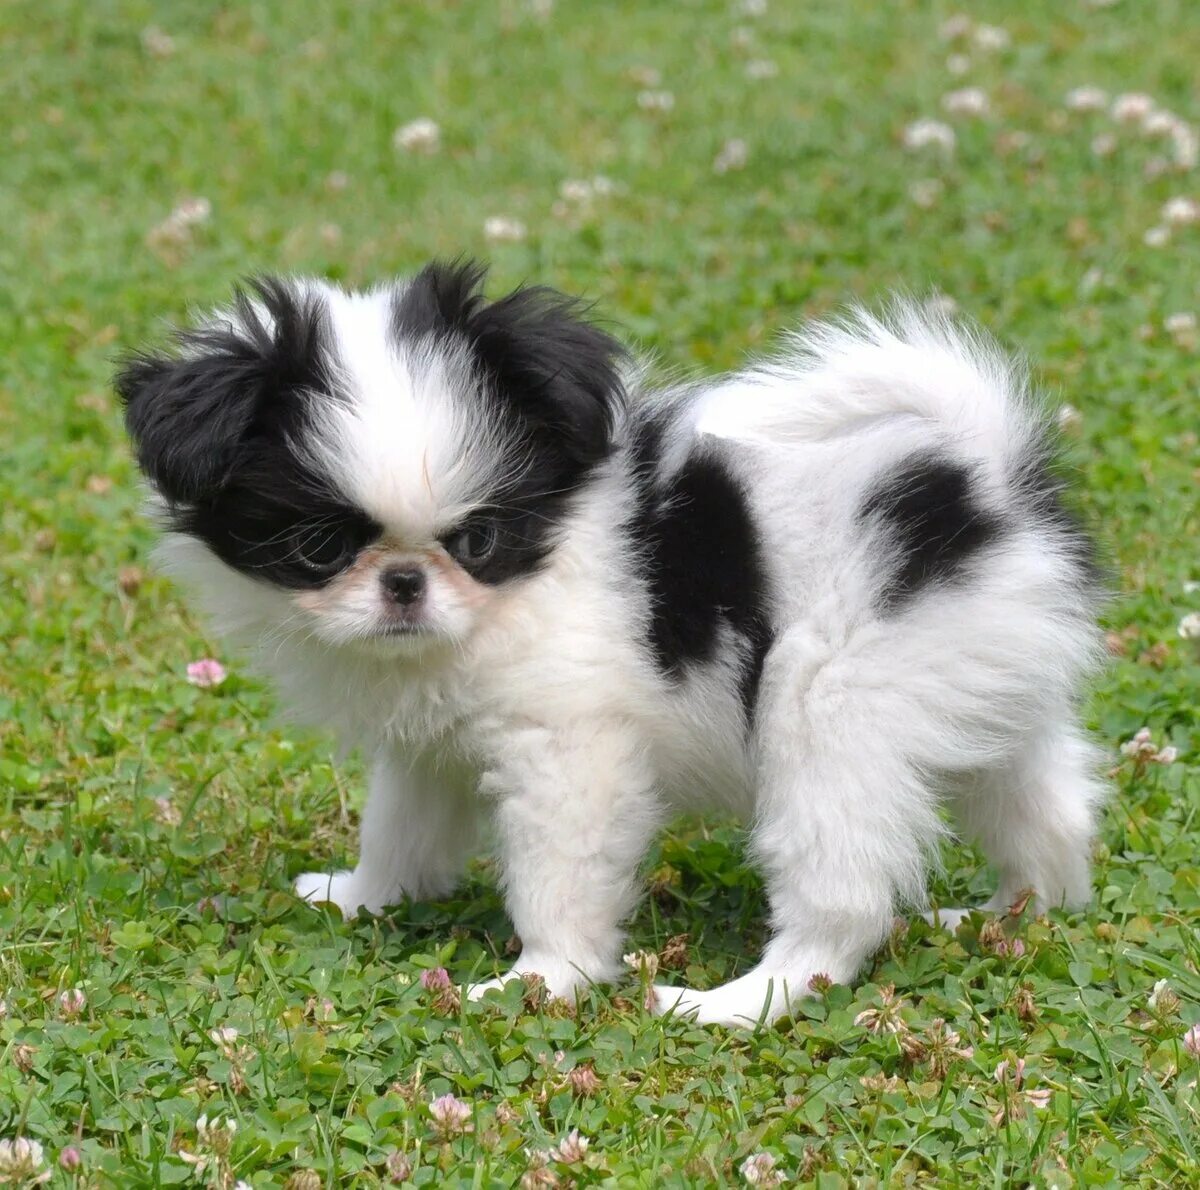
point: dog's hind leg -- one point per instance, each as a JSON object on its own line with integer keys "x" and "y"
{"x": 845, "y": 821}
{"x": 1033, "y": 816}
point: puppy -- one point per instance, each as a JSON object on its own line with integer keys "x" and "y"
{"x": 834, "y": 594}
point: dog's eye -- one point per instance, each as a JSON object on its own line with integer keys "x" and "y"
{"x": 472, "y": 544}
{"x": 323, "y": 549}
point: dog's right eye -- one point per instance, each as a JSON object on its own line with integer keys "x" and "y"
{"x": 322, "y": 549}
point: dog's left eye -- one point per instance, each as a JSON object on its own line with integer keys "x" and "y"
{"x": 472, "y": 544}
{"x": 323, "y": 549}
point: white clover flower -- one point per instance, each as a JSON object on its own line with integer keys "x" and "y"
{"x": 644, "y": 962}
{"x": 969, "y": 101}
{"x": 1189, "y": 626}
{"x": 215, "y": 1135}
{"x": 922, "y": 133}
{"x": 1159, "y": 123}
{"x": 192, "y": 211}
{"x": 956, "y": 27}
{"x": 421, "y": 135}
{"x": 1181, "y": 211}
{"x": 1161, "y": 992}
{"x": 759, "y": 1170}
{"x": 1132, "y": 108}
{"x": 176, "y": 228}
{"x": 450, "y": 1114}
{"x": 656, "y": 101}
{"x": 992, "y": 37}
{"x": 761, "y": 68}
{"x": 1086, "y": 99}
{"x": 575, "y": 190}
{"x": 1181, "y": 325}
{"x": 1156, "y": 237}
{"x": 752, "y": 8}
{"x": 733, "y": 155}
{"x": 22, "y": 1162}
{"x": 1142, "y": 750}
{"x": 1104, "y": 145}
{"x": 571, "y": 1150}
{"x": 72, "y": 1002}
{"x": 224, "y": 1038}
{"x": 1186, "y": 146}
{"x": 1069, "y": 418}
{"x": 1138, "y": 744}
{"x": 958, "y": 64}
{"x": 500, "y": 229}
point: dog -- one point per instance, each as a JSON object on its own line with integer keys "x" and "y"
{"x": 835, "y": 593}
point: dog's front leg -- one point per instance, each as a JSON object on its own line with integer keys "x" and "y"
{"x": 574, "y": 812}
{"x": 417, "y": 830}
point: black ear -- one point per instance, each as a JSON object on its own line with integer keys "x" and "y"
{"x": 190, "y": 413}
{"x": 552, "y": 367}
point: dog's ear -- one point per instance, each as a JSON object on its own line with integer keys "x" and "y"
{"x": 555, "y": 370}
{"x": 191, "y": 412}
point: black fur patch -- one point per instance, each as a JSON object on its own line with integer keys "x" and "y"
{"x": 545, "y": 374}
{"x": 701, "y": 562}
{"x": 927, "y": 506}
{"x": 211, "y": 426}
{"x": 195, "y": 416}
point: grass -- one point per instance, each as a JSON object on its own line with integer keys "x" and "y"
{"x": 148, "y": 828}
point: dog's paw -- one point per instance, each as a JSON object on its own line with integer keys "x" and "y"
{"x": 949, "y": 919}
{"x": 705, "y": 1008}
{"x": 338, "y": 888}
{"x": 477, "y": 991}
{"x": 560, "y": 979}
{"x": 742, "y": 1004}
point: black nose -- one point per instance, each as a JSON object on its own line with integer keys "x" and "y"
{"x": 404, "y": 584}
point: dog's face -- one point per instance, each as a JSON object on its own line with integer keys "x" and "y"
{"x": 384, "y": 462}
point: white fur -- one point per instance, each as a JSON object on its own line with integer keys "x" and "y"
{"x": 545, "y": 715}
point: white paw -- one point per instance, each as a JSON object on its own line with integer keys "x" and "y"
{"x": 340, "y": 888}
{"x": 477, "y": 991}
{"x": 561, "y": 979}
{"x": 948, "y": 919}
{"x": 742, "y": 1004}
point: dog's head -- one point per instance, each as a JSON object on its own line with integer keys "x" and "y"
{"x": 383, "y": 461}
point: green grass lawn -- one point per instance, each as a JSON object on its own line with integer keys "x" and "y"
{"x": 148, "y": 828}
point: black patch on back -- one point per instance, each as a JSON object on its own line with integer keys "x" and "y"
{"x": 927, "y": 507}
{"x": 548, "y": 376}
{"x": 701, "y": 561}
{"x": 212, "y": 423}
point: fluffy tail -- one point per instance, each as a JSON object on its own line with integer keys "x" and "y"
{"x": 840, "y": 377}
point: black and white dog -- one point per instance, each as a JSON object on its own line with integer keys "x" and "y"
{"x": 830, "y": 593}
